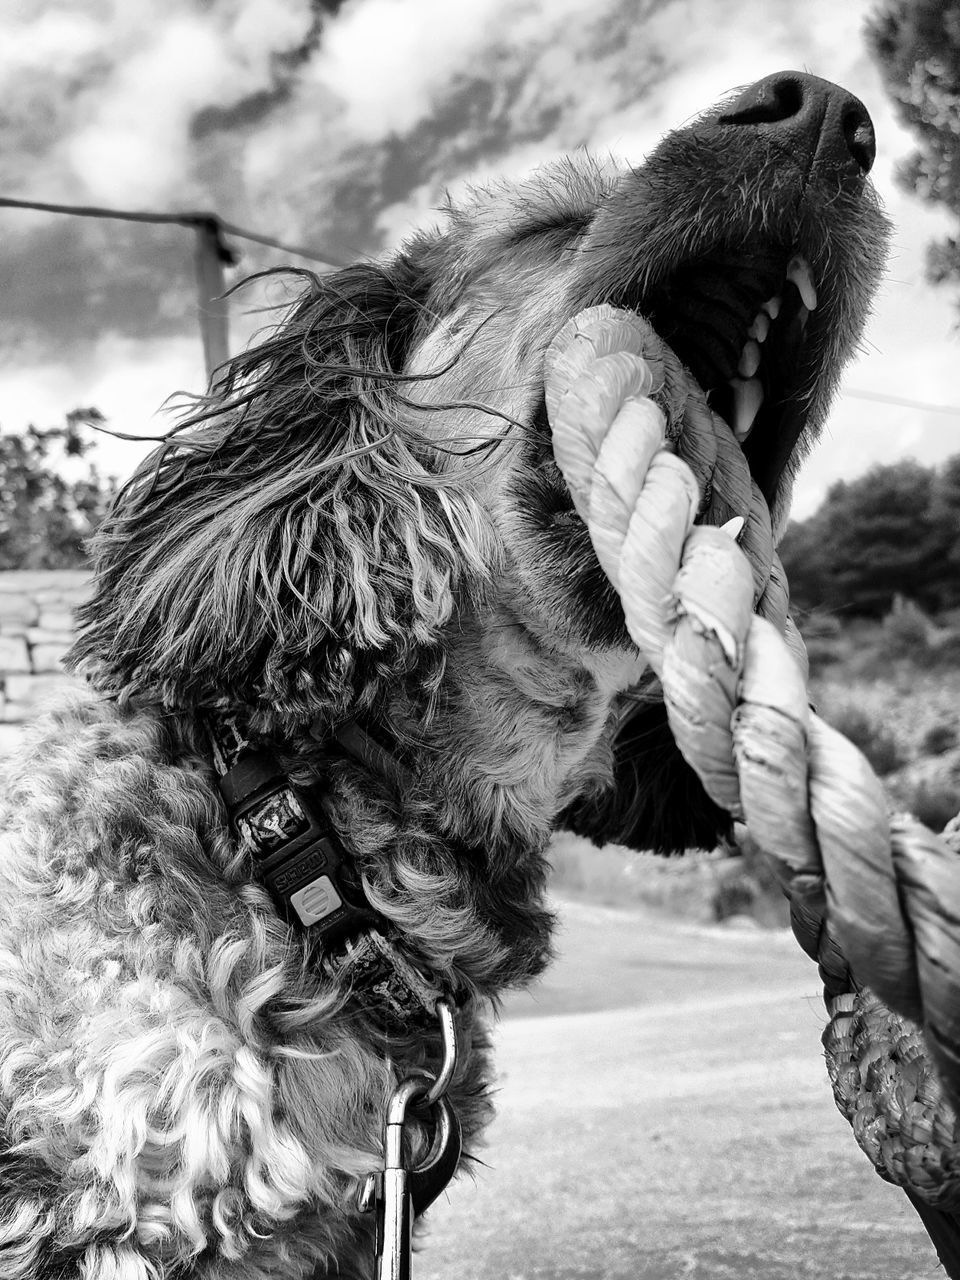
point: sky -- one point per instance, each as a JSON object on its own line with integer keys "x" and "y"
{"x": 342, "y": 131}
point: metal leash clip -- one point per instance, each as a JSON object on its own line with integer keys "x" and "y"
{"x": 399, "y": 1194}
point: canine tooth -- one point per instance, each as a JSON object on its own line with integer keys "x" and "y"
{"x": 772, "y": 307}
{"x": 798, "y": 270}
{"x": 747, "y": 399}
{"x": 749, "y": 359}
{"x": 760, "y": 327}
{"x": 733, "y": 527}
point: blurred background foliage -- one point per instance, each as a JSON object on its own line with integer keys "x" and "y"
{"x": 916, "y": 47}
{"x": 52, "y": 497}
{"x": 892, "y": 533}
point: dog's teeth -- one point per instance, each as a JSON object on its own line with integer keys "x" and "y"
{"x": 733, "y": 527}
{"x": 747, "y": 399}
{"x": 749, "y": 359}
{"x": 798, "y": 270}
{"x": 760, "y": 327}
{"x": 772, "y": 307}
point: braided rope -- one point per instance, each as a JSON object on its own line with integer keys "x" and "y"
{"x": 877, "y": 904}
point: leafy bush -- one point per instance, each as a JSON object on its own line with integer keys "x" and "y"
{"x": 824, "y": 651}
{"x": 46, "y": 517}
{"x": 735, "y": 896}
{"x": 747, "y": 886}
{"x": 892, "y": 532}
{"x": 934, "y": 803}
{"x": 939, "y": 738}
{"x": 824, "y": 637}
{"x": 874, "y": 740}
{"x": 946, "y": 653}
{"x": 816, "y": 624}
{"x": 906, "y": 631}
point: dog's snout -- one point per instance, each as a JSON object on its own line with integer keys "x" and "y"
{"x": 808, "y": 114}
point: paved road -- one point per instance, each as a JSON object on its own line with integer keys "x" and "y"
{"x": 664, "y": 1113}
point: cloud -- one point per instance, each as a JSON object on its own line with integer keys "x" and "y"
{"x": 111, "y": 116}
{"x": 410, "y": 50}
{"x": 347, "y": 138}
{"x": 129, "y": 381}
{"x": 404, "y": 100}
{"x": 179, "y": 71}
{"x": 99, "y": 105}
{"x": 51, "y": 38}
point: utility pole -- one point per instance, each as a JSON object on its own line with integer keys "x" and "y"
{"x": 211, "y": 255}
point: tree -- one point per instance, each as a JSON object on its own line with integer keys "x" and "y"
{"x": 916, "y": 45}
{"x": 945, "y": 511}
{"x": 892, "y": 532}
{"x": 45, "y": 517}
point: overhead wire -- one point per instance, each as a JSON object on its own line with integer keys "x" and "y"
{"x": 199, "y": 218}
{"x": 186, "y": 218}
{"x": 902, "y": 401}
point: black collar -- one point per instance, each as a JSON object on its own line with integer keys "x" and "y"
{"x": 301, "y": 861}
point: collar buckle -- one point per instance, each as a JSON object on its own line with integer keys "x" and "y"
{"x": 315, "y": 886}
{"x": 297, "y": 855}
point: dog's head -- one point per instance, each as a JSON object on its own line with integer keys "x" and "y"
{"x": 384, "y": 456}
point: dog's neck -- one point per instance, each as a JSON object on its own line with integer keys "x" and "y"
{"x": 448, "y": 823}
{"x": 515, "y": 731}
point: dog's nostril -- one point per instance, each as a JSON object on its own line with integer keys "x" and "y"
{"x": 766, "y": 102}
{"x": 860, "y": 137}
{"x": 807, "y": 113}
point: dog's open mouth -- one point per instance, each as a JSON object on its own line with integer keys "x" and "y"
{"x": 740, "y": 324}
{"x": 747, "y": 333}
{"x": 743, "y": 324}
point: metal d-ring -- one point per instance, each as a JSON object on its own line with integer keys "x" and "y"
{"x": 421, "y": 1090}
{"x": 448, "y": 1032}
{"x": 399, "y": 1193}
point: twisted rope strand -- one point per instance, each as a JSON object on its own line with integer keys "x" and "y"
{"x": 878, "y": 906}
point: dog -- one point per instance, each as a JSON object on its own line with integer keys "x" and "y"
{"x": 349, "y": 596}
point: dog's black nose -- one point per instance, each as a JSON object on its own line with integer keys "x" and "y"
{"x": 809, "y": 115}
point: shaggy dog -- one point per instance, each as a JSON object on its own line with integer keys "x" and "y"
{"x": 359, "y": 565}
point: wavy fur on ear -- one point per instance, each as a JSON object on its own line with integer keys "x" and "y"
{"x": 650, "y": 799}
{"x": 296, "y": 540}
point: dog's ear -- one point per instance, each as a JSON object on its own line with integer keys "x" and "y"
{"x": 298, "y": 542}
{"x": 652, "y": 800}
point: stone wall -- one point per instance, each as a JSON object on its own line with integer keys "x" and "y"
{"x": 36, "y": 628}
